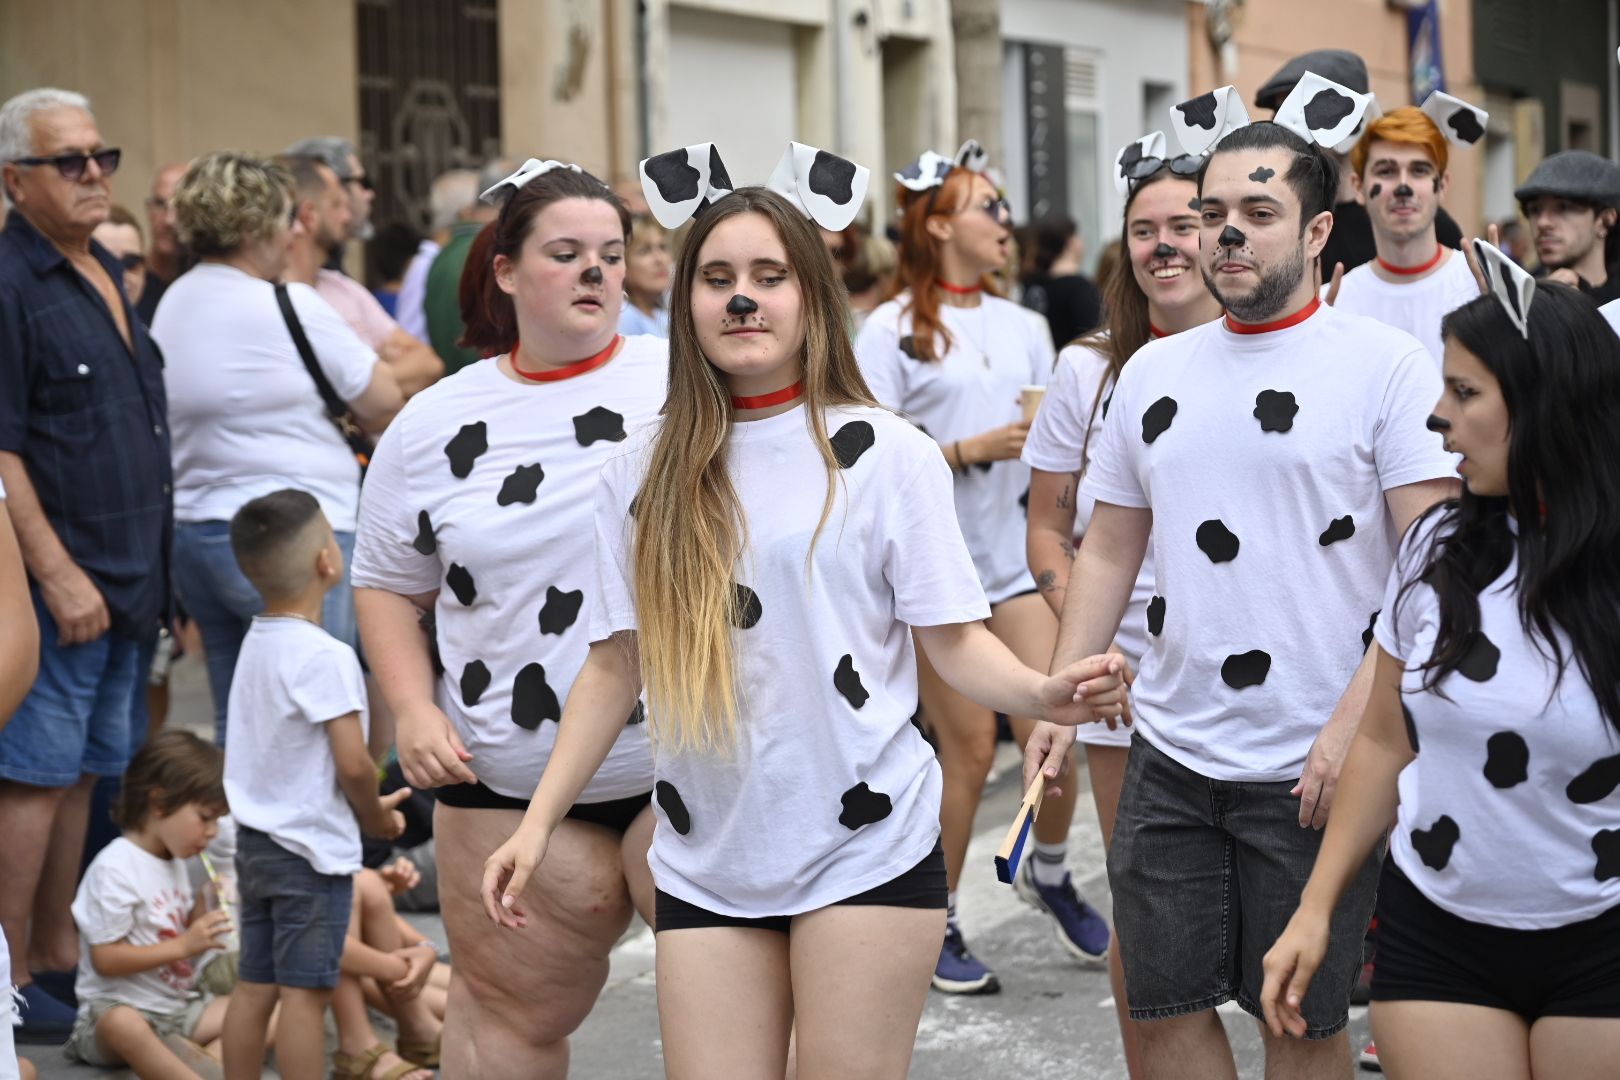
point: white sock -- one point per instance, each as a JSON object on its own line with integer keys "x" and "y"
{"x": 950, "y": 908}
{"x": 1047, "y": 866}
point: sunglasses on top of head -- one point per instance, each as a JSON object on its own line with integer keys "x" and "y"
{"x": 1181, "y": 165}
{"x": 72, "y": 166}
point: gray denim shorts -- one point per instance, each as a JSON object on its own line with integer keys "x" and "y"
{"x": 1206, "y": 874}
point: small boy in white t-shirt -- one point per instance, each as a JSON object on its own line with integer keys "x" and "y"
{"x": 302, "y": 786}
{"x": 142, "y": 932}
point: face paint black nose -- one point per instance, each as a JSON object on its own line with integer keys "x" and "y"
{"x": 1231, "y": 237}
{"x": 1436, "y": 423}
{"x": 592, "y": 275}
{"x": 1164, "y": 251}
{"x": 1404, "y": 192}
{"x": 740, "y": 305}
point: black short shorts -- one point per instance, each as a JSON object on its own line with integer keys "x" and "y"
{"x": 616, "y": 814}
{"x": 1423, "y": 952}
{"x": 923, "y": 886}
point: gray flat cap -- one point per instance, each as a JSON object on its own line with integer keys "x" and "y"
{"x": 1574, "y": 174}
{"x": 1345, "y": 68}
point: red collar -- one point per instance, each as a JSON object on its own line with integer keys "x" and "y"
{"x": 567, "y": 371}
{"x": 765, "y": 401}
{"x": 959, "y": 290}
{"x": 1408, "y": 271}
{"x": 1281, "y": 324}
{"x": 1154, "y": 331}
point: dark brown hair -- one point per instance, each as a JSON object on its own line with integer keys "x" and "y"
{"x": 173, "y": 769}
{"x": 488, "y": 313}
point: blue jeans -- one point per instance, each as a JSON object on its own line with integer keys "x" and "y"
{"x": 222, "y": 601}
{"x": 77, "y": 717}
{"x": 294, "y": 919}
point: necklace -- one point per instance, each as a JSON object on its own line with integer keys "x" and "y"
{"x": 567, "y": 371}
{"x": 289, "y": 615}
{"x": 765, "y": 401}
{"x": 959, "y": 290}
{"x": 984, "y": 334}
{"x": 1408, "y": 271}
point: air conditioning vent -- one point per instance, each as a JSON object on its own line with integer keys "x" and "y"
{"x": 1080, "y": 77}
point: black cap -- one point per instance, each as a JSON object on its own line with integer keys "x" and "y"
{"x": 1574, "y": 174}
{"x": 1345, "y": 68}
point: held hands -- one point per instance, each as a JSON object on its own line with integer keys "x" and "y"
{"x": 507, "y": 873}
{"x": 388, "y": 822}
{"x": 207, "y": 931}
{"x": 1093, "y": 690}
{"x": 430, "y": 752}
{"x": 1289, "y": 966}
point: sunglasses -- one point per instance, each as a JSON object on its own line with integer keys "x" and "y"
{"x": 364, "y": 180}
{"x": 1180, "y": 165}
{"x": 72, "y": 166}
{"x": 133, "y": 261}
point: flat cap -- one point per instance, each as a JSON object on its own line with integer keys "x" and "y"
{"x": 1345, "y": 68}
{"x": 1574, "y": 174}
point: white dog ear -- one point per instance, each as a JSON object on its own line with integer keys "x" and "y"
{"x": 972, "y": 157}
{"x": 1463, "y": 124}
{"x": 1201, "y": 122}
{"x": 510, "y": 186}
{"x": 827, "y": 188}
{"x": 681, "y": 182}
{"x": 1322, "y": 111}
{"x": 1510, "y": 284}
{"x": 1139, "y": 159}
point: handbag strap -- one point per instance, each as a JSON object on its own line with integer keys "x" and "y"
{"x": 335, "y": 406}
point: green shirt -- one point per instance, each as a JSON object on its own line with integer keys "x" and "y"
{"x": 442, "y": 301}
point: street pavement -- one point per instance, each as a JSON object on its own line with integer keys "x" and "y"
{"x": 1053, "y": 1020}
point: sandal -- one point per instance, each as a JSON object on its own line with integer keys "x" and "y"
{"x": 362, "y": 1066}
{"x": 424, "y": 1052}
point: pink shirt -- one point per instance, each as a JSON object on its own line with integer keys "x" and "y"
{"x": 358, "y": 307}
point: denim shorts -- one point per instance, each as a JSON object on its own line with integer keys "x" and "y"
{"x": 1206, "y": 874}
{"x": 77, "y": 718}
{"x": 293, "y": 919}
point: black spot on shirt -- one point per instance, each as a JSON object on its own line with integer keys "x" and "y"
{"x": 470, "y": 443}
{"x": 1480, "y": 663}
{"x": 851, "y": 441}
{"x": 1338, "y": 529}
{"x": 600, "y": 424}
{"x": 1156, "y": 421}
{"x": 1246, "y": 669}
{"x": 425, "y": 543}
{"x": 560, "y": 610}
{"x": 1023, "y": 502}
{"x": 908, "y": 345}
{"x": 1217, "y": 541}
{"x": 746, "y": 608}
{"x": 1596, "y": 782}
{"x": 1155, "y": 616}
{"x": 1367, "y": 634}
{"x": 1507, "y": 759}
{"x": 533, "y": 699}
{"x": 461, "y": 583}
{"x": 863, "y": 806}
{"x": 1275, "y": 409}
{"x": 474, "y": 681}
{"x": 848, "y": 682}
{"x": 1411, "y": 727}
{"x": 1434, "y": 844}
{"x": 638, "y": 715}
{"x": 669, "y": 801}
{"x": 521, "y": 485}
{"x": 1606, "y": 846}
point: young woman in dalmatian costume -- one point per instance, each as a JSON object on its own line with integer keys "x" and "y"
{"x": 764, "y": 554}
{"x": 1492, "y": 736}
{"x": 954, "y": 358}
{"x": 478, "y": 509}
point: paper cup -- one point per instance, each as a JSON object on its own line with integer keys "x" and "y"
{"x": 1030, "y": 398}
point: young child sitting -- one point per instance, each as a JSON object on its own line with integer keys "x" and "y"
{"x": 139, "y": 925}
{"x": 299, "y": 777}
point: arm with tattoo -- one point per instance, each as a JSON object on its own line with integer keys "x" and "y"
{"x": 1049, "y": 542}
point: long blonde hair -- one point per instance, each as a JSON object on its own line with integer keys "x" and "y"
{"x": 689, "y": 524}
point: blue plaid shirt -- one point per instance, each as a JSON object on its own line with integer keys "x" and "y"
{"x": 89, "y": 420}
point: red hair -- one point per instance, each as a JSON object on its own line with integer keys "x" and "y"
{"x": 1409, "y": 126}
{"x": 919, "y": 257}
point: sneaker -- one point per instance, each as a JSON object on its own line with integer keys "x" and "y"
{"x": 44, "y": 1019}
{"x": 1369, "y": 1059}
{"x": 1081, "y": 929}
{"x": 959, "y": 971}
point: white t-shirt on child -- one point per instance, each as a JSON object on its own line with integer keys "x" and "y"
{"x": 129, "y": 894}
{"x": 1506, "y": 814}
{"x": 1264, "y": 458}
{"x": 1416, "y": 306}
{"x": 996, "y": 350}
{"x": 830, "y": 790}
{"x": 292, "y": 678}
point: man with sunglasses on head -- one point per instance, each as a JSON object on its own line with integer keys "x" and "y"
{"x": 84, "y": 458}
{"x": 339, "y": 155}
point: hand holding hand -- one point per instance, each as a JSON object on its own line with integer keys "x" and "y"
{"x": 1096, "y": 689}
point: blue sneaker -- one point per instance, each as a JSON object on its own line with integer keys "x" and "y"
{"x": 1081, "y": 929}
{"x": 959, "y": 971}
{"x": 44, "y": 1019}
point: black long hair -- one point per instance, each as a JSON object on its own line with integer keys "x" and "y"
{"x": 1562, "y": 391}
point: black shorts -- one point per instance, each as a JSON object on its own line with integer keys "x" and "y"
{"x": 1423, "y": 952}
{"x": 616, "y": 814}
{"x": 923, "y": 886}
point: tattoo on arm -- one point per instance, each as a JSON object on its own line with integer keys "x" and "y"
{"x": 1046, "y": 580}
{"x": 1064, "y": 502}
{"x": 1068, "y": 549}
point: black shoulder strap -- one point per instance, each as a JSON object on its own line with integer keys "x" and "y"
{"x": 334, "y": 404}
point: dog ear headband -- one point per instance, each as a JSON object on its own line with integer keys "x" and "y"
{"x": 1318, "y": 110}
{"x": 1510, "y": 284}
{"x": 930, "y": 169}
{"x": 1461, "y": 123}
{"x": 1136, "y": 161}
{"x": 525, "y": 172}
{"x": 826, "y": 188}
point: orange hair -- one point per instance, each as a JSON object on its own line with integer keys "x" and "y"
{"x": 919, "y": 257}
{"x": 1408, "y": 125}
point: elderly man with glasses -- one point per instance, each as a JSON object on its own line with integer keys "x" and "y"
{"x": 84, "y": 458}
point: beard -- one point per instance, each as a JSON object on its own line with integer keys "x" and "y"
{"x": 1269, "y": 295}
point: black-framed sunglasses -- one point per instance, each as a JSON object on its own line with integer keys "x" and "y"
{"x": 72, "y": 166}
{"x": 132, "y": 261}
{"x": 364, "y": 180}
{"x": 1180, "y": 165}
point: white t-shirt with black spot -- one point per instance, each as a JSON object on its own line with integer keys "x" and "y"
{"x": 996, "y": 350}
{"x": 830, "y": 790}
{"x": 483, "y": 488}
{"x": 1508, "y": 814}
{"x": 1415, "y": 306}
{"x": 1265, "y": 459}
{"x": 1063, "y": 439}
